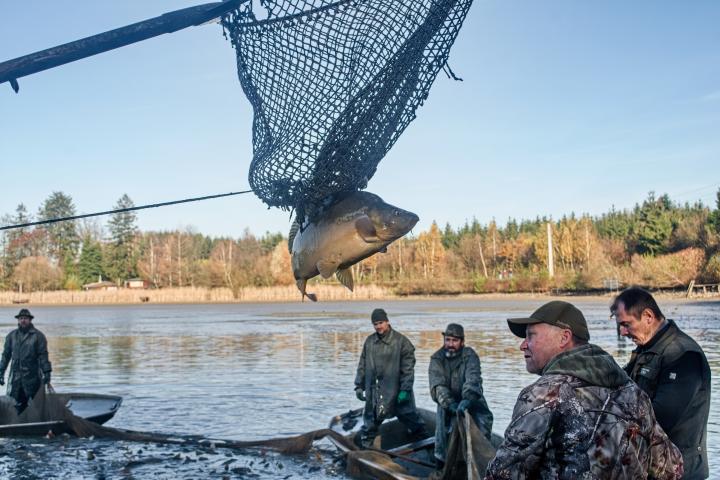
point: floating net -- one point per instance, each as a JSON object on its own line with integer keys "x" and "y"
{"x": 333, "y": 85}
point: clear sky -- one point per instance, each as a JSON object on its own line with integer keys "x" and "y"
{"x": 565, "y": 106}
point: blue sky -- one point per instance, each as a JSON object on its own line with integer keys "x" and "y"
{"x": 565, "y": 106}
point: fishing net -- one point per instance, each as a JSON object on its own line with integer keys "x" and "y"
{"x": 333, "y": 85}
{"x": 51, "y": 407}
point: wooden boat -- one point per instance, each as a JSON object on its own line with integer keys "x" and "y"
{"x": 413, "y": 455}
{"x": 395, "y": 454}
{"x": 94, "y": 407}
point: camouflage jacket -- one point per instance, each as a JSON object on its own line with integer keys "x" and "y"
{"x": 584, "y": 419}
{"x": 27, "y": 351}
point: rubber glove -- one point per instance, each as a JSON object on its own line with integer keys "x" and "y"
{"x": 46, "y": 378}
{"x": 403, "y": 396}
{"x": 463, "y": 406}
{"x": 360, "y": 394}
{"x": 453, "y": 407}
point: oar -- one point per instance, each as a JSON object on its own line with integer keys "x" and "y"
{"x": 170, "y": 22}
{"x": 401, "y": 457}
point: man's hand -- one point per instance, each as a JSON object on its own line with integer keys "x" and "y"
{"x": 403, "y": 396}
{"x": 463, "y": 406}
{"x": 46, "y": 378}
{"x": 360, "y": 394}
{"x": 453, "y": 407}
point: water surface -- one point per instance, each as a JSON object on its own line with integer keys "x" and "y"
{"x": 250, "y": 371}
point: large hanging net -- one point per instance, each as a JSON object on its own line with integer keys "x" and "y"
{"x": 333, "y": 85}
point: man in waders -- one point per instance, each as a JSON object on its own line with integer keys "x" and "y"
{"x": 26, "y": 349}
{"x": 584, "y": 417}
{"x": 673, "y": 370}
{"x": 456, "y": 386}
{"x": 384, "y": 380}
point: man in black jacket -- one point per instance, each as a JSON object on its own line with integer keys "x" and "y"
{"x": 26, "y": 349}
{"x": 673, "y": 370}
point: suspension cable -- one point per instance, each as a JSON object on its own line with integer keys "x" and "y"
{"x": 121, "y": 210}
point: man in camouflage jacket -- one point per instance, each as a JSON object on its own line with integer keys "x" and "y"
{"x": 456, "y": 386}
{"x": 584, "y": 418}
{"x": 26, "y": 349}
{"x": 384, "y": 380}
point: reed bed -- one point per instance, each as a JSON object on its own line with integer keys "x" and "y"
{"x": 193, "y": 295}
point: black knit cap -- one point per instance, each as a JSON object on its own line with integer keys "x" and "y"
{"x": 378, "y": 315}
{"x": 454, "y": 330}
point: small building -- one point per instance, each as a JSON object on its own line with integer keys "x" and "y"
{"x": 102, "y": 285}
{"x": 136, "y": 283}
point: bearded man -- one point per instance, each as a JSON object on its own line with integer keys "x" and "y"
{"x": 26, "y": 349}
{"x": 456, "y": 386}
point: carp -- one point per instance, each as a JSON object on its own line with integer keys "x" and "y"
{"x": 353, "y": 227}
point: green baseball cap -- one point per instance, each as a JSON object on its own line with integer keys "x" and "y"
{"x": 556, "y": 313}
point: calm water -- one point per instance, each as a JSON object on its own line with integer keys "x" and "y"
{"x": 267, "y": 370}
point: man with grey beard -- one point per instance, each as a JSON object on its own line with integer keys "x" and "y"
{"x": 456, "y": 386}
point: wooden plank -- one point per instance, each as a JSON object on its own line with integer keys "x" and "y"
{"x": 170, "y": 22}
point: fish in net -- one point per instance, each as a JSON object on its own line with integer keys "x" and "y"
{"x": 333, "y": 84}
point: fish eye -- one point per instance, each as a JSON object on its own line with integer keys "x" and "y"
{"x": 396, "y": 213}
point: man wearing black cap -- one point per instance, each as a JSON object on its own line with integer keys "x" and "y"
{"x": 584, "y": 417}
{"x": 384, "y": 380}
{"x": 673, "y": 370}
{"x": 26, "y": 348}
{"x": 456, "y": 386}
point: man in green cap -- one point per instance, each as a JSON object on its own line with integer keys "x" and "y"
{"x": 584, "y": 417}
{"x": 384, "y": 380}
{"x": 456, "y": 386}
{"x": 26, "y": 348}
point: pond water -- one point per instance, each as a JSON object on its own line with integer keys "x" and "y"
{"x": 253, "y": 371}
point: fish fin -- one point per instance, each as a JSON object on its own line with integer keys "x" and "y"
{"x": 291, "y": 236}
{"x": 383, "y": 250}
{"x": 345, "y": 277}
{"x": 301, "y": 284}
{"x": 327, "y": 268}
{"x": 366, "y": 229}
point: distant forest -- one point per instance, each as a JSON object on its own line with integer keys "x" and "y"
{"x": 657, "y": 244}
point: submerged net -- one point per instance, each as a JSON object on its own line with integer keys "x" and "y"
{"x": 333, "y": 85}
{"x": 50, "y": 407}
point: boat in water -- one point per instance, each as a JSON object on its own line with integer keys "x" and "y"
{"x": 395, "y": 454}
{"x": 96, "y": 408}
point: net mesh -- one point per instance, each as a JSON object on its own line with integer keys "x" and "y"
{"x": 333, "y": 85}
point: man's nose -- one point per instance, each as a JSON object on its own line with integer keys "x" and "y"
{"x": 523, "y": 345}
{"x": 623, "y": 331}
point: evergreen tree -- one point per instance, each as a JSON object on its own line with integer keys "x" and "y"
{"x": 654, "y": 226}
{"x": 62, "y": 238}
{"x": 90, "y": 263}
{"x": 120, "y": 258}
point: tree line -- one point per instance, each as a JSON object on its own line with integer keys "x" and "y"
{"x": 658, "y": 244}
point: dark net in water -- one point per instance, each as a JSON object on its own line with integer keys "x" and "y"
{"x": 333, "y": 85}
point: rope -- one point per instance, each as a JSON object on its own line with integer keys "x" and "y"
{"x": 121, "y": 210}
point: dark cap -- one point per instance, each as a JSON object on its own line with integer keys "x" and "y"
{"x": 378, "y": 315}
{"x": 454, "y": 330}
{"x": 25, "y": 313}
{"x": 556, "y": 313}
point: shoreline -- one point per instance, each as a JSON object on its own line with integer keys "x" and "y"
{"x": 287, "y": 294}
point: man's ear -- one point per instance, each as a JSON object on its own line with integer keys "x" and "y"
{"x": 566, "y": 337}
{"x": 647, "y": 316}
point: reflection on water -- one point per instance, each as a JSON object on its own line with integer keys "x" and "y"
{"x": 264, "y": 370}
